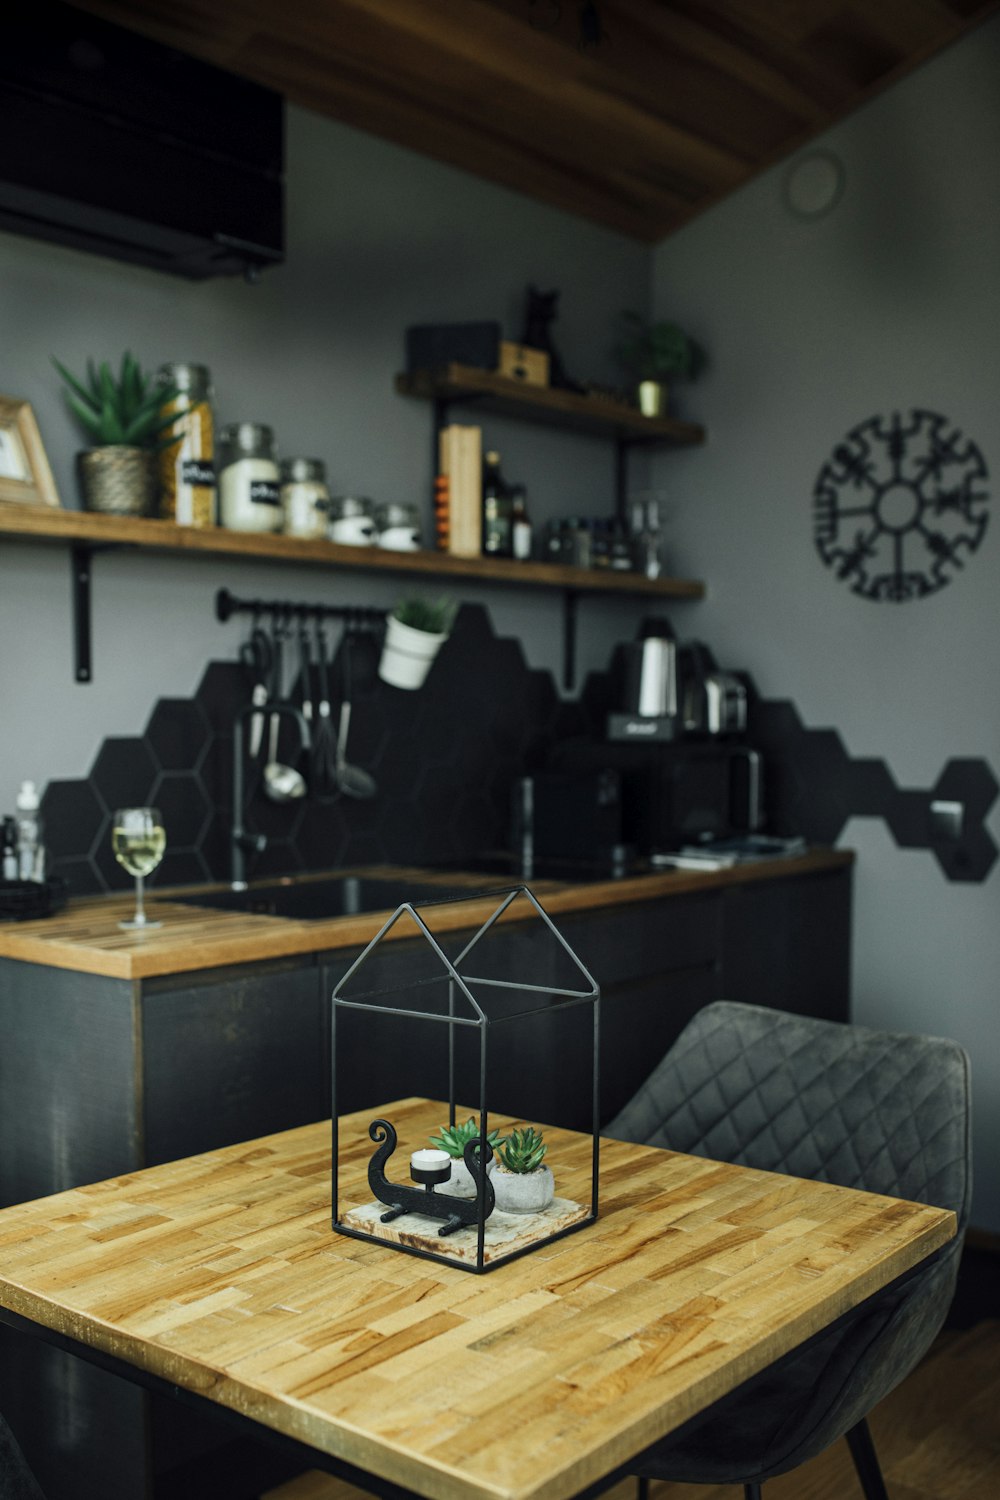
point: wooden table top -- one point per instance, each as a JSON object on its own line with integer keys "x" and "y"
{"x": 221, "y": 1274}
{"x": 86, "y": 938}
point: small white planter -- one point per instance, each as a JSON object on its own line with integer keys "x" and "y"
{"x": 407, "y": 654}
{"x": 523, "y": 1192}
{"x": 460, "y": 1183}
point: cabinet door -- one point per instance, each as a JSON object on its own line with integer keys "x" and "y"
{"x": 787, "y": 944}
{"x": 229, "y": 1055}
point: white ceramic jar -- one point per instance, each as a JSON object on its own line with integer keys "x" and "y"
{"x": 249, "y": 478}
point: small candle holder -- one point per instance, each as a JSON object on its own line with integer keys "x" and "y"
{"x": 456, "y": 1212}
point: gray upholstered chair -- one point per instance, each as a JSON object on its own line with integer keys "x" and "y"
{"x": 16, "y": 1480}
{"x": 876, "y": 1110}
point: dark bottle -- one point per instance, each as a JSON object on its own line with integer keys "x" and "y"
{"x": 497, "y": 531}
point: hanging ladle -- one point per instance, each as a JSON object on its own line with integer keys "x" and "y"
{"x": 351, "y": 780}
{"x": 282, "y": 783}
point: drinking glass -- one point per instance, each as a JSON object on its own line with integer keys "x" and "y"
{"x": 138, "y": 841}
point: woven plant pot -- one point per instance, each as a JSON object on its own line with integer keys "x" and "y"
{"x": 117, "y": 480}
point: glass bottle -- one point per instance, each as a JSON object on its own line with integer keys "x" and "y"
{"x": 496, "y": 509}
{"x": 187, "y": 465}
{"x": 520, "y": 525}
{"x": 249, "y": 488}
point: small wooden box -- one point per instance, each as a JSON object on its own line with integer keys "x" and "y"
{"x": 520, "y": 363}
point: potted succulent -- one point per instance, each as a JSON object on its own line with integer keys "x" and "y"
{"x": 415, "y": 631}
{"x": 653, "y": 353}
{"x": 522, "y": 1184}
{"x": 124, "y": 418}
{"x": 454, "y": 1139}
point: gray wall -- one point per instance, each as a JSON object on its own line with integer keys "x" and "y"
{"x": 889, "y": 302}
{"x": 378, "y": 239}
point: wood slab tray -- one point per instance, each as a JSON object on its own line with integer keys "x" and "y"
{"x": 505, "y": 1235}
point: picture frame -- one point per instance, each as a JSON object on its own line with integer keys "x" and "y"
{"x": 25, "y": 474}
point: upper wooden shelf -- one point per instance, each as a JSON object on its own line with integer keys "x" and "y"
{"x": 91, "y": 530}
{"x": 541, "y": 403}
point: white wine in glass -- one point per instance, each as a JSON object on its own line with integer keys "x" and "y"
{"x": 138, "y": 841}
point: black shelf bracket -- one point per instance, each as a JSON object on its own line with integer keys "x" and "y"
{"x": 80, "y": 588}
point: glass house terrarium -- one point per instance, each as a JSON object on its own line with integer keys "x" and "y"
{"x": 475, "y": 1018}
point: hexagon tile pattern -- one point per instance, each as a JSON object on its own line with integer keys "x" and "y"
{"x": 444, "y": 760}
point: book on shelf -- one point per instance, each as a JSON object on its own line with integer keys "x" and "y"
{"x": 458, "y": 490}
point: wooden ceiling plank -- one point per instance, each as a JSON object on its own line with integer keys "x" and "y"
{"x": 503, "y": 53}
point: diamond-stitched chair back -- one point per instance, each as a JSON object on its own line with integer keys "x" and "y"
{"x": 878, "y": 1110}
{"x": 882, "y": 1111}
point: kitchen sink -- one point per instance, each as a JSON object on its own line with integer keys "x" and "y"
{"x": 319, "y": 900}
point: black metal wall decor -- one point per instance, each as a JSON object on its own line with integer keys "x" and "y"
{"x": 523, "y": 974}
{"x": 900, "y": 506}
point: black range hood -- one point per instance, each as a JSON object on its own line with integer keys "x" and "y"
{"x": 117, "y": 145}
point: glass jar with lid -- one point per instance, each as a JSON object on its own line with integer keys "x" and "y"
{"x": 398, "y": 527}
{"x": 305, "y": 499}
{"x": 186, "y": 464}
{"x": 352, "y": 520}
{"x": 249, "y": 478}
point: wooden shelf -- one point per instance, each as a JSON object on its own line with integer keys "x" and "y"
{"x": 91, "y": 531}
{"x": 491, "y": 392}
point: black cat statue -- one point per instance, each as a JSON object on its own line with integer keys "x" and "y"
{"x": 541, "y": 312}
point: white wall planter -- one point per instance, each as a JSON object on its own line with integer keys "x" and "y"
{"x": 407, "y": 654}
{"x": 523, "y": 1192}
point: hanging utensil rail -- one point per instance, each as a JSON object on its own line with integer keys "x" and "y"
{"x": 357, "y": 615}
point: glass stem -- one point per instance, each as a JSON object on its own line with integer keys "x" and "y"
{"x": 140, "y": 910}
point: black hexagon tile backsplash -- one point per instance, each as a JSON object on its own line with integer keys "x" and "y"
{"x": 444, "y": 760}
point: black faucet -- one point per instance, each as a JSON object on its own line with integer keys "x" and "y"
{"x": 241, "y": 842}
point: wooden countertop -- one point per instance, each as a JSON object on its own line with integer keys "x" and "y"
{"x": 85, "y": 936}
{"x": 220, "y": 1273}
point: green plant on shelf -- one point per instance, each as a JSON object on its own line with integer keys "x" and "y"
{"x": 123, "y": 410}
{"x": 654, "y": 351}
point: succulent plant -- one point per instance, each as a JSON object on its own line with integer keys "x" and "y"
{"x": 126, "y": 411}
{"x": 454, "y": 1138}
{"x": 522, "y": 1150}
{"x": 436, "y": 616}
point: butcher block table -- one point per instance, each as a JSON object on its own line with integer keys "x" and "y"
{"x": 220, "y": 1275}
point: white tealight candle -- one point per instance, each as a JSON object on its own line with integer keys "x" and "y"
{"x": 429, "y": 1160}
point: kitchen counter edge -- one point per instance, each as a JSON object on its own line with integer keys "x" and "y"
{"x": 86, "y": 938}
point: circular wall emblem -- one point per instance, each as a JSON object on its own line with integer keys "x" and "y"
{"x": 900, "y": 505}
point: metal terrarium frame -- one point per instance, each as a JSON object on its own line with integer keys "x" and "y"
{"x": 426, "y": 1199}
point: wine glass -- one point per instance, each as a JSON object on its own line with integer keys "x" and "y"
{"x": 138, "y": 841}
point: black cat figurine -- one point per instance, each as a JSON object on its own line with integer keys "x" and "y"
{"x": 541, "y": 312}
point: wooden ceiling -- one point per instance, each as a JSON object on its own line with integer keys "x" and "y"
{"x": 635, "y": 114}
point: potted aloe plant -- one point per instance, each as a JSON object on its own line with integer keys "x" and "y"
{"x": 522, "y": 1183}
{"x": 124, "y": 417}
{"x": 653, "y": 353}
{"x": 415, "y": 631}
{"x": 454, "y": 1139}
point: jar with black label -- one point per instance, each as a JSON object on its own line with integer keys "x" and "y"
{"x": 249, "y": 478}
{"x": 186, "y": 465}
{"x": 352, "y": 521}
{"x": 397, "y": 527}
{"x": 305, "y": 499}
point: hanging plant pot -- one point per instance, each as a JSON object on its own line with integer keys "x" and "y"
{"x": 407, "y": 654}
{"x": 117, "y": 480}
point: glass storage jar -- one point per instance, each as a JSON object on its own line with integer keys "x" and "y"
{"x": 305, "y": 499}
{"x": 187, "y": 465}
{"x": 352, "y": 520}
{"x": 398, "y": 527}
{"x": 249, "y": 488}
